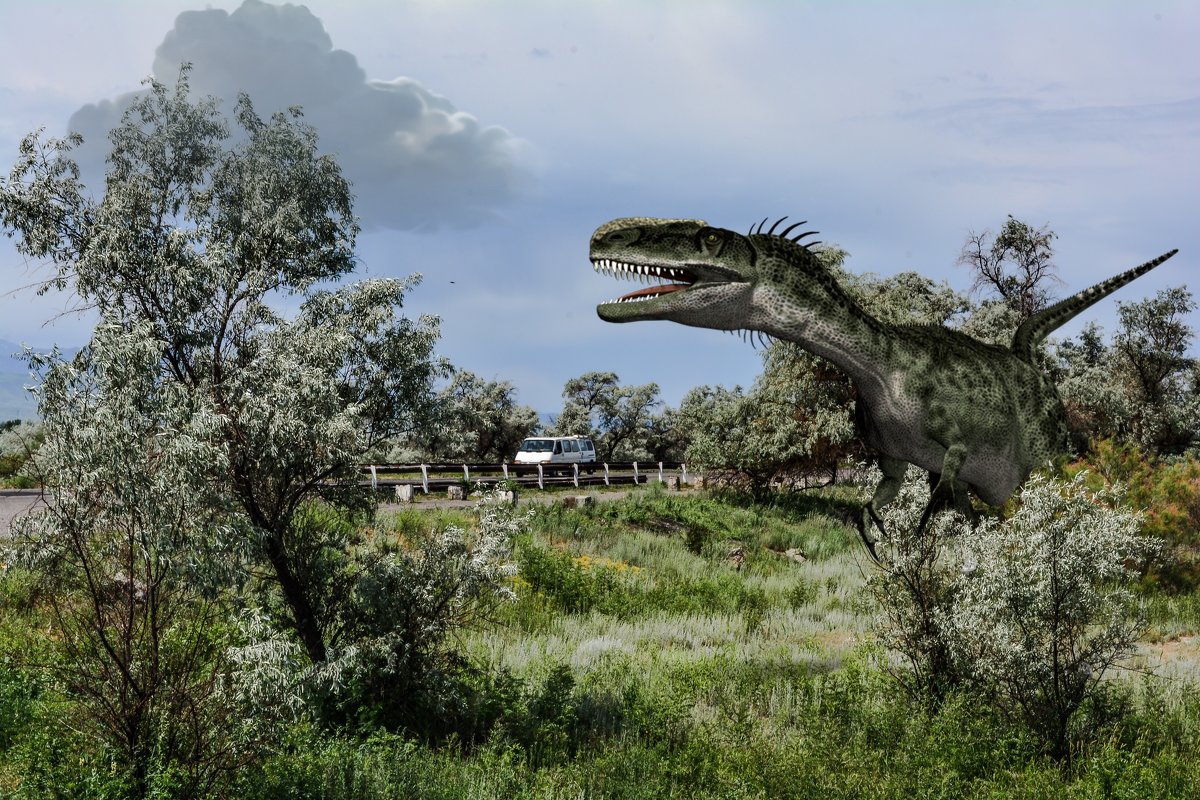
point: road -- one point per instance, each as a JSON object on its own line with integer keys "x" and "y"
{"x": 14, "y": 503}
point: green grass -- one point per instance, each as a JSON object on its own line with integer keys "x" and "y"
{"x": 717, "y": 730}
{"x": 664, "y": 645}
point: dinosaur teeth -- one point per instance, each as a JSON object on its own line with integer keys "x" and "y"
{"x": 645, "y": 274}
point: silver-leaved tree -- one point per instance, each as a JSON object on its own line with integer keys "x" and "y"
{"x": 202, "y": 231}
{"x": 1028, "y": 613}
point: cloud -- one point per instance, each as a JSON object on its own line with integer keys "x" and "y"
{"x": 415, "y": 160}
{"x": 1025, "y": 120}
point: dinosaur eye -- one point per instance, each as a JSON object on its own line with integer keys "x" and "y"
{"x": 711, "y": 240}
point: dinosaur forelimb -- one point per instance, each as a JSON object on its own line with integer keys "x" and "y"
{"x": 948, "y": 492}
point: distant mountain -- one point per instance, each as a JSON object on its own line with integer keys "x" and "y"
{"x": 15, "y": 401}
{"x": 10, "y": 362}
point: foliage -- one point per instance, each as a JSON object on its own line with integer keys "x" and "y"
{"x": 1030, "y": 612}
{"x": 131, "y": 550}
{"x": 1166, "y": 493}
{"x": 19, "y": 441}
{"x": 906, "y": 298}
{"x": 1016, "y": 264}
{"x": 1095, "y": 397}
{"x": 397, "y": 602}
{"x": 840, "y": 735}
{"x": 673, "y": 699}
{"x": 915, "y": 590}
{"x": 476, "y": 421}
{"x": 618, "y": 418}
{"x": 667, "y": 437}
{"x": 793, "y": 423}
{"x": 196, "y": 232}
{"x": 1044, "y": 606}
{"x": 1140, "y": 388}
{"x": 1152, "y": 342}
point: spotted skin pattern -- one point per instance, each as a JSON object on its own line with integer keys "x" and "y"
{"x": 976, "y": 416}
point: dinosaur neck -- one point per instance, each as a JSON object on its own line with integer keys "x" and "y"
{"x": 815, "y": 313}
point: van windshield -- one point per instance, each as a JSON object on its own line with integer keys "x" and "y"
{"x": 537, "y": 446}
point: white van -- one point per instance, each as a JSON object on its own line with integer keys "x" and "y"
{"x": 548, "y": 450}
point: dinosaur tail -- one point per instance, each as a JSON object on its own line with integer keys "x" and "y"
{"x": 1033, "y": 330}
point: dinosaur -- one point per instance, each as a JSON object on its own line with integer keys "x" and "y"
{"x": 977, "y": 416}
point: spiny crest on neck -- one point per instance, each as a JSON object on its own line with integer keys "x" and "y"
{"x": 784, "y": 233}
{"x": 820, "y": 272}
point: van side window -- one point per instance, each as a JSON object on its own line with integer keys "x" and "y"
{"x": 572, "y": 446}
{"x": 558, "y": 448}
{"x": 587, "y": 445}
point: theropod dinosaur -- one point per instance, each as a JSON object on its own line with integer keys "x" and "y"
{"x": 972, "y": 414}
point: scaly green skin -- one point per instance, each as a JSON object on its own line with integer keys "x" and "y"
{"x": 972, "y": 414}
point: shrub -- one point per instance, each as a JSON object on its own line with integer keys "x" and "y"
{"x": 19, "y": 442}
{"x": 1044, "y": 605}
{"x": 128, "y": 553}
{"x": 393, "y": 665}
{"x": 1166, "y": 492}
{"x": 568, "y": 582}
{"x": 1029, "y": 612}
{"x": 914, "y": 590}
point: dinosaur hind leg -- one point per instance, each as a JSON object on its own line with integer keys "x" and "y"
{"x": 893, "y": 470}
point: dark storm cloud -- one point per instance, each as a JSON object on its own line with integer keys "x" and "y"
{"x": 416, "y": 161}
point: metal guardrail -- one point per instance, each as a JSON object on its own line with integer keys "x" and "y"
{"x": 433, "y": 477}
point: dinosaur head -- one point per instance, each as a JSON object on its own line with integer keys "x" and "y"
{"x": 698, "y": 275}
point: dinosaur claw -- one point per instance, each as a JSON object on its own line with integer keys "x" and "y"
{"x": 871, "y": 550}
{"x": 864, "y": 522}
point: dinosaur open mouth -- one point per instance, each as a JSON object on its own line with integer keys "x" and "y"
{"x": 681, "y": 278}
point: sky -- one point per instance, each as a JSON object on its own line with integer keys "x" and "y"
{"x": 486, "y": 141}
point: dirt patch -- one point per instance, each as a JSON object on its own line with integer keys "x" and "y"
{"x": 1173, "y": 654}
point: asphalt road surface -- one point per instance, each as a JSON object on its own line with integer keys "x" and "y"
{"x": 14, "y": 503}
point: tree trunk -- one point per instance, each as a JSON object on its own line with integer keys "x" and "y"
{"x": 303, "y": 617}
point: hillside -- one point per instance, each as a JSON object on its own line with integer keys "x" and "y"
{"x": 15, "y": 400}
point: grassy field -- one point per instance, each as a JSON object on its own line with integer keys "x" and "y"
{"x": 669, "y": 646}
{"x": 682, "y": 646}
